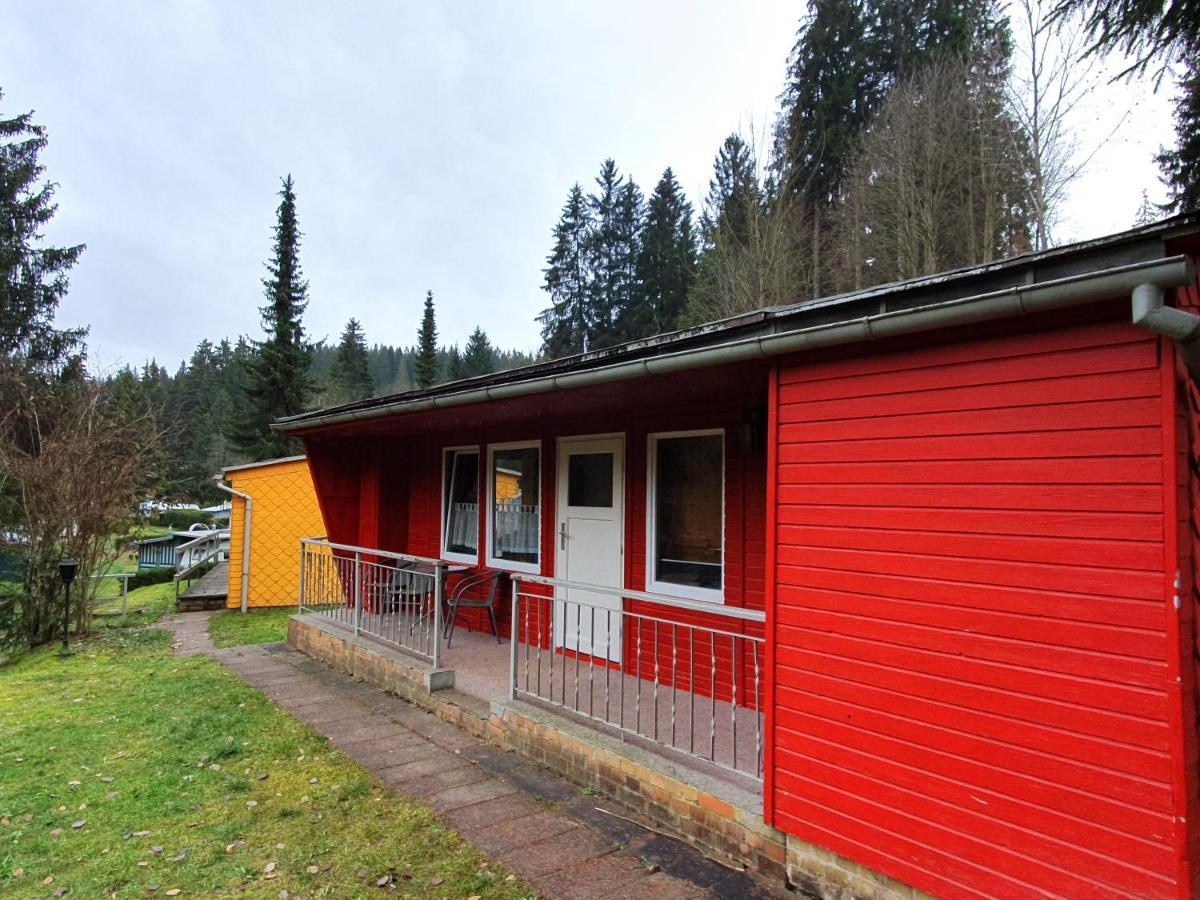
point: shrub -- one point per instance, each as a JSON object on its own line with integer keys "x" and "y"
{"x": 151, "y": 576}
{"x": 183, "y": 519}
{"x": 12, "y": 636}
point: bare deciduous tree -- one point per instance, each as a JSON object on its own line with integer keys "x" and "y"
{"x": 74, "y": 462}
{"x": 939, "y": 182}
{"x": 755, "y": 255}
{"x": 1053, "y": 78}
{"x": 764, "y": 267}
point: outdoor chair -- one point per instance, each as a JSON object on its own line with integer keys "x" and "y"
{"x": 488, "y": 581}
{"x": 405, "y": 593}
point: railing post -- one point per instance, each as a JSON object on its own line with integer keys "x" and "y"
{"x": 512, "y": 642}
{"x": 438, "y": 590}
{"x": 300, "y": 593}
{"x": 124, "y": 594}
{"x": 358, "y": 598}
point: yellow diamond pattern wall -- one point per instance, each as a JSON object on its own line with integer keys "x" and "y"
{"x": 285, "y": 510}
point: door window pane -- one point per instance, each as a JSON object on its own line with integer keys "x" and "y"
{"x": 688, "y": 503}
{"x": 590, "y": 480}
{"x": 516, "y": 504}
{"x": 460, "y": 502}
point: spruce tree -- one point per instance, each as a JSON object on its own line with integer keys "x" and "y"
{"x": 278, "y": 381}
{"x": 733, "y": 192}
{"x": 350, "y": 377}
{"x": 425, "y": 366}
{"x": 33, "y": 277}
{"x": 454, "y": 364}
{"x": 612, "y": 253}
{"x": 1154, "y": 33}
{"x": 1181, "y": 165}
{"x": 848, "y": 55}
{"x": 478, "y": 358}
{"x": 832, "y": 87}
{"x": 666, "y": 263}
{"x": 568, "y": 281}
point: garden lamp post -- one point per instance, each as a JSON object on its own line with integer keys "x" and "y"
{"x": 66, "y": 571}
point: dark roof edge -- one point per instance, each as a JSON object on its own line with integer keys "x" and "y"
{"x": 263, "y": 462}
{"x": 653, "y": 352}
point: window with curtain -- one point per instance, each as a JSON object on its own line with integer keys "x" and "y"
{"x": 515, "y": 519}
{"x": 460, "y": 504}
{"x": 687, "y": 509}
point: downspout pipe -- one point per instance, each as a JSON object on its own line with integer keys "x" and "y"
{"x": 249, "y": 501}
{"x": 1151, "y": 312}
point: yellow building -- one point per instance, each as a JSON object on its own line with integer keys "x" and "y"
{"x": 283, "y": 509}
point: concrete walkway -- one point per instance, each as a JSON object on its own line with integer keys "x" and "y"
{"x": 539, "y": 825}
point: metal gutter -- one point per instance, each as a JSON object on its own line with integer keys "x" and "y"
{"x": 1013, "y": 301}
{"x": 249, "y": 501}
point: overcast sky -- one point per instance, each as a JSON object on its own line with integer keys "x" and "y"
{"x": 432, "y": 146}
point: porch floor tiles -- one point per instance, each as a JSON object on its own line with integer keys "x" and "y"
{"x": 537, "y": 824}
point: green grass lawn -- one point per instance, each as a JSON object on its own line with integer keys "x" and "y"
{"x": 125, "y": 771}
{"x": 233, "y": 628}
{"x": 144, "y": 606}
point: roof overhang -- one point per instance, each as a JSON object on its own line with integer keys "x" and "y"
{"x": 1085, "y": 273}
{"x": 262, "y": 464}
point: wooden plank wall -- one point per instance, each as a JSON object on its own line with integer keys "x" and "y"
{"x": 971, "y": 652}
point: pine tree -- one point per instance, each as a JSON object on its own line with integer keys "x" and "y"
{"x": 350, "y": 377}
{"x": 455, "y": 370}
{"x": 832, "y": 88}
{"x": 425, "y": 368}
{"x": 628, "y": 297}
{"x": 612, "y": 253}
{"x": 478, "y": 358}
{"x": 278, "y": 381}
{"x": 666, "y": 263}
{"x": 1147, "y": 212}
{"x": 33, "y": 277}
{"x": 568, "y": 281}
{"x": 1181, "y": 165}
{"x": 733, "y": 192}
{"x": 1154, "y": 34}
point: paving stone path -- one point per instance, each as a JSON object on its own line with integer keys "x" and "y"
{"x": 191, "y": 632}
{"x": 539, "y": 825}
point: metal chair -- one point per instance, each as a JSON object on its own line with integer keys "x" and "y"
{"x": 490, "y": 578}
{"x": 405, "y": 594}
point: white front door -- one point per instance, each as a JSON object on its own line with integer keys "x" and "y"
{"x": 591, "y": 537}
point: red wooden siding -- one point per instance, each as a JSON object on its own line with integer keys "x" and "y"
{"x": 1187, "y": 509}
{"x": 971, "y": 658}
{"x": 400, "y": 502}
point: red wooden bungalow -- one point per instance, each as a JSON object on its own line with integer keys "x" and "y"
{"x": 916, "y": 563}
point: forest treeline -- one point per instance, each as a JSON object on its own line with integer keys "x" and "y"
{"x": 912, "y": 138}
{"x": 199, "y": 404}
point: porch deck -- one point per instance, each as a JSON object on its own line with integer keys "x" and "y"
{"x": 676, "y": 677}
{"x": 636, "y": 709}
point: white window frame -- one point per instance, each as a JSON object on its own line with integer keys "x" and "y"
{"x": 472, "y": 558}
{"x": 509, "y": 565}
{"x": 653, "y": 586}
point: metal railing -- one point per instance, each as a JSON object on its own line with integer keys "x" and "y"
{"x": 193, "y": 558}
{"x": 680, "y": 673}
{"x": 394, "y": 598}
{"x": 124, "y": 576}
